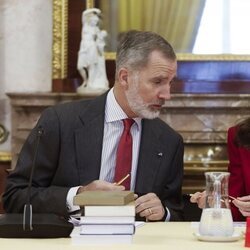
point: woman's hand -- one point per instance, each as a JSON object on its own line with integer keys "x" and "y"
{"x": 199, "y": 198}
{"x": 243, "y": 203}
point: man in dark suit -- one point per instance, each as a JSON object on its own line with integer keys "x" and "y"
{"x": 77, "y": 150}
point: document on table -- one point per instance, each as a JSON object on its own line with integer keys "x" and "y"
{"x": 76, "y": 222}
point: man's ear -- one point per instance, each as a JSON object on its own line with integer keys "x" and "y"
{"x": 123, "y": 77}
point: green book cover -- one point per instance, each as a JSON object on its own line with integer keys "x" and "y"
{"x": 118, "y": 198}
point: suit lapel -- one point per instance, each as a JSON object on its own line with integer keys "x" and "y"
{"x": 150, "y": 158}
{"x": 89, "y": 141}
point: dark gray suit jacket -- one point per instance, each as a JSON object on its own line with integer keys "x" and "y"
{"x": 69, "y": 154}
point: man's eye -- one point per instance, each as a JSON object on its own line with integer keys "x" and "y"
{"x": 172, "y": 81}
{"x": 157, "y": 81}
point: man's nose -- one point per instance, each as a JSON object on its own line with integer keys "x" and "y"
{"x": 165, "y": 93}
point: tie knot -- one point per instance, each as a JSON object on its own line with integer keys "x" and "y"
{"x": 128, "y": 123}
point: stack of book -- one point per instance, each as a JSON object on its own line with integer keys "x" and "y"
{"x": 110, "y": 215}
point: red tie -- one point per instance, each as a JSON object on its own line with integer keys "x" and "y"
{"x": 124, "y": 154}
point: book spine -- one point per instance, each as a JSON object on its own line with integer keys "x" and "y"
{"x": 108, "y": 229}
{"x": 107, "y": 220}
{"x": 109, "y": 211}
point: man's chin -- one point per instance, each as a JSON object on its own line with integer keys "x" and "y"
{"x": 150, "y": 114}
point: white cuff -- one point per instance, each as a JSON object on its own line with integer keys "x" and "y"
{"x": 168, "y": 215}
{"x": 70, "y": 196}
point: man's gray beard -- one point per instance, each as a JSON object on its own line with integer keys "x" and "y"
{"x": 136, "y": 103}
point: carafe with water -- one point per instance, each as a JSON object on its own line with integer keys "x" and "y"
{"x": 216, "y": 218}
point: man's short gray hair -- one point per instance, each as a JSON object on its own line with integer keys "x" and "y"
{"x": 135, "y": 47}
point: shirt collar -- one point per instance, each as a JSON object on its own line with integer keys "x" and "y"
{"x": 114, "y": 112}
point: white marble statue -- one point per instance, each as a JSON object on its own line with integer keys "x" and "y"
{"x": 91, "y": 60}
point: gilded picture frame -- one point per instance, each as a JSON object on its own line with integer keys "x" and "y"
{"x": 60, "y": 43}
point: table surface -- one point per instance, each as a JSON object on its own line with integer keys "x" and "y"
{"x": 151, "y": 236}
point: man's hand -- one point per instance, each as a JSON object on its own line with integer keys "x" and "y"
{"x": 150, "y": 207}
{"x": 101, "y": 185}
{"x": 199, "y": 198}
{"x": 243, "y": 203}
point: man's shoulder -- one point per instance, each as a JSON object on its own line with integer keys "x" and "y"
{"x": 79, "y": 106}
{"x": 66, "y": 109}
{"x": 163, "y": 128}
{"x": 163, "y": 125}
{"x": 71, "y": 106}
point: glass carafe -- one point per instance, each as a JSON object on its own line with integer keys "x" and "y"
{"x": 216, "y": 217}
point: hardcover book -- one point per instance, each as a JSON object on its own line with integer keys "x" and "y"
{"x": 94, "y": 239}
{"x": 107, "y": 220}
{"x": 125, "y": 210}
{"x": 107, "y": 229}
{"x": 103, "y": 198}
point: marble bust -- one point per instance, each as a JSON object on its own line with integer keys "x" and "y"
{"x": 91, "y": 60}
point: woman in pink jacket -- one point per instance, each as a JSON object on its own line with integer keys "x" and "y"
{"x": 238, "y": 144}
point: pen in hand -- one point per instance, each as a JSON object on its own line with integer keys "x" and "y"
{"x": 231, "y": 198}
{"x": 122, "y": 180}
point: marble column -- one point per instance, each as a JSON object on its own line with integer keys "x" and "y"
{"x": 25, "y": 51}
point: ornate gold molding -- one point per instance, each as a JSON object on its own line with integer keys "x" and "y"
{"x": 90, "y": 4}
{"x": 217, "y": 57}
{"x": 110, "y": 55}
{"x": 60, "y": 39}
{"x": 194, "y": 57}
{"x": 5, "y": 156}
{"x": 3, "y": 134}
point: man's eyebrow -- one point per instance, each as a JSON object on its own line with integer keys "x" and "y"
{"x": 158, "y": 77}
